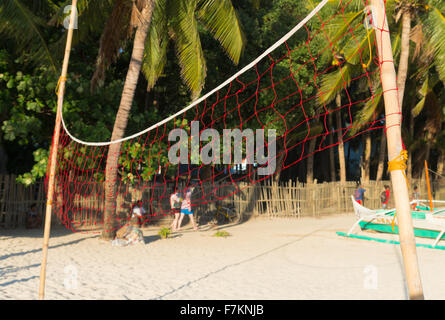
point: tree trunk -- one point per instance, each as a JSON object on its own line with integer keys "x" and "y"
{"x": 366, "y": 158}
{"x": 440, "y": 163}
{"x": 281, "y": 147}
{"x": 120, "y": 123}
{"x": 279, "y": 167}
{"x": 409, "y": 164}
{"x": 382, "y": 154}
{"x": 428, "y": 147}
{"x": 3, "y": 159}
{"x": 341, "y": 147}
{"x": 404, "y": 56}
{"x": 402, "y": 71}
{"x": 310, "y": 162}
{"x": 333, "y": 169}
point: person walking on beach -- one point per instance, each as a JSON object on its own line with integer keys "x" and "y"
{"x": 175, "y": 204}
{"x": 384, "y": 197}
{"x": 186, "y": 209}
{"x": 359, "y": 194}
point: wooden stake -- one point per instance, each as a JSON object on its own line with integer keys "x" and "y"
{"x": 428, "y": 184}
{"x": 55, "y": 146}
{"x": 393, "y": 133}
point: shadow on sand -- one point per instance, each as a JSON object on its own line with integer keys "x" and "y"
{"x": 4, "y": 257}
{"x": 187, "y": 284}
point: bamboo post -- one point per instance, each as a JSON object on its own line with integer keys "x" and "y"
{"x": 393, "y": 133}
{"x": 55, "y": 145}
{"x": 428, "y": 184}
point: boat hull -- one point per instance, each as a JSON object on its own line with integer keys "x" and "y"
{"x": 387, "y": 228}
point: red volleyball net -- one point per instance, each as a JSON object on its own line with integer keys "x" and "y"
{"x": 314, "y": 89}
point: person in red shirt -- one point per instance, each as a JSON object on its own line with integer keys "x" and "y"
{"x": 384, "y": 197}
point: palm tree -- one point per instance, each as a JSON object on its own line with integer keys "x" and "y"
{"x": 405, "y": 9}
{"x": 123, "y": 113}
{"x": 157, "y": 22}
{"x": 348, "y": 56}
{"x": 429, "y": 53}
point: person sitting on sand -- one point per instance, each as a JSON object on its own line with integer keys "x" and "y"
{"x": 186, "y": 209}
{"x": 33, "y": 219}
{"x": 129, "y": 234}
{"x": 175, "y": 204}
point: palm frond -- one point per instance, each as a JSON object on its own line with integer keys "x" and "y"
{"x": 156, "y": 45}
{"x": 113, "y": 38}
{"x": 188, "y": 44}
{"x": 19, "y": 23}
{"x": 370, "y": 110}
{"x": 333, "y": 83}
{"x": 423, "y": 93}
{"x": 338, "y": 27}
{"x": 435, "y": 29}
{"x": 221, "y": 19}
{"x": 358, "y": 53}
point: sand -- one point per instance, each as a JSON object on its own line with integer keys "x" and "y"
{"x": 262, "y": 259}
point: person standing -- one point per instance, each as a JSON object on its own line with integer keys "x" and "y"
{"x": 175, "y": 204}
{"x": 384, "y": 197}
{"x": 186, "y": 209}
{"x": 359, "y": 194}
{"x": 415, "y": 198}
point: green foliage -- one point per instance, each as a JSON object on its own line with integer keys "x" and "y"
{"x": 27, "y": 91}
{"x": 221, "y": 234}
{"x": 38, "y": 170}
{"x": 164, "y": 233}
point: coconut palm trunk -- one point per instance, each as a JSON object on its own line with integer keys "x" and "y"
{"x": 409, "y": 163}
{"x": 382, "y": 154}
{"x": 310, "y": 162}
{"x": 402, "y": 70}
{"x": 341, "y": 147}
{"x": 440, "y": 162}
{"x": 333, "y": 169}
{"x": 120, "y": 123}
{"x": 404, "y": 56}
{"x": 366, "y": 158}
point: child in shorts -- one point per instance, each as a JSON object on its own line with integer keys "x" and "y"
{"x": 186, "y": 209}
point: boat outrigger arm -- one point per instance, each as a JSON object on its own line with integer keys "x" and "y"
{"x": 363, "y": 213}
{"x": 427, "y": 223}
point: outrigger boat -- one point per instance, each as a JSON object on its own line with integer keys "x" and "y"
{"x": 426, "y": 223}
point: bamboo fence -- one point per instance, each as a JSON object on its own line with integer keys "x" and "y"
{"x": 267, "y": 199}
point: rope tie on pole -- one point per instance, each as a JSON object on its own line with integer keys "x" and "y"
{"x": 61, "y": 78}
{"x": 399, "y": 163}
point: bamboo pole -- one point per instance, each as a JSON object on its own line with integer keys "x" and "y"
{"x": 428, "y": 184}
{"x": 55, "y": 145}
{"x": 393, "y": 133}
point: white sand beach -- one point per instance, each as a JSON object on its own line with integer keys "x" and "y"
{"x": 262, "y": 259}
